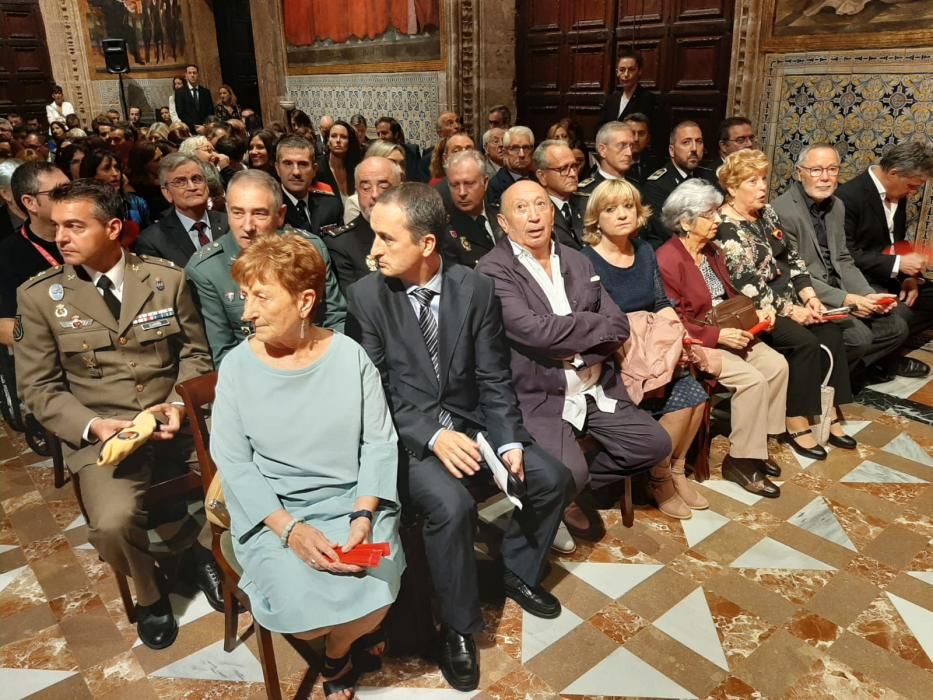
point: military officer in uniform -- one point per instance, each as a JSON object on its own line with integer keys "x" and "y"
{"x": 556, "y": 171}
{"x": 99, "y": 339}
{"x": 254, "y": 208}
{"x": 311, "y": 206}
{"x": 615, "y": 144}
{"x": 474, "y": 227}
{"x": 686, "y": 152}
{"x": 350, "y": 244}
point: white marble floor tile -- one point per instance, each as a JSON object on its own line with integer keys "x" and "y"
{"x": 187, "y": 609}
{"x": 901, "y": 387}
{"x": 86, "y": 545}
{"x": 732, "y": 490}
{"x": 20, "y": 682}
{"x": 925, "y": 576}
{"x": 703, "y": 524}
{"x": 614, "y": 580}
{"x": 918, "y": 619}
{"x": 7, "y": 547}
{"x": 414, "y": 693}
{"x": 869, "y": 472}
{"x": 691, "y": 623}
{"x": 904, "y": 446}
{"x": 498, "y": 513}
{"x": 8, "y": 577}
{"x": 852, "y": 427}
{"x": 538, "y": 633}
{"x": 624, "y": 674}
{"x": 771, "y": 554}
{"x": 77, "y": 522}
{"x": 212, "y": 663}
{"x": 816, "y": 517}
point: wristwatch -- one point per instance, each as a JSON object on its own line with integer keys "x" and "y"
{"x": 361, "y": 514}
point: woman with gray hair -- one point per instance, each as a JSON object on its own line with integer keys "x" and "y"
{"x": 696, "y": 280}
{"x": 11, "y": 215}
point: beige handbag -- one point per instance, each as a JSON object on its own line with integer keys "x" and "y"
{"x": 214, "y": 505}
{"x": 827, "y": 411}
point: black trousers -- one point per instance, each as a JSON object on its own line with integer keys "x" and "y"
{"x": 450, "y": 520}
{"x": 919, "y": 317}
{"x": 808, "y": 363}
{"x": 869, "y": 340}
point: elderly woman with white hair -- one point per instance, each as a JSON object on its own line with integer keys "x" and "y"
{"x": 696, "y": 280}
{"x": 212, "y": 162}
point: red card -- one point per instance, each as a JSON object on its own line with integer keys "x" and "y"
{"x": 899, "y": 248}
{"x": 760, "y": 327}
{"x": 365, "y": 555}
{"x": 885, "y": 301}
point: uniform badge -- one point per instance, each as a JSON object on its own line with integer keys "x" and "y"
{"x": 56, "y": 292}
{"x": 60, "y": 311}
{"x": 70, "y": 277}
{"x": 18, "y": 328}
{"x": 453, "y": 234}
{"x": 134, "y": 267}
{"x": 150, "y": 316}
{"x": 329, "y": 229}
{"x": 89, "y": 361}
{"x": 466, "y": 245}
{"x": 159, "y": 284}
{"x": 76, "y": 322}
{"x": 657, "y": 174}
{"x": 229, "y": 296}
{"x": 371, "y": 263}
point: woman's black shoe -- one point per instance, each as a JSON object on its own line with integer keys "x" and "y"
{"x": 750, "y": 475}
{"x": 772, "y": 468}
{"x": 843, "y": 441}
{"x": 812, "y": 452}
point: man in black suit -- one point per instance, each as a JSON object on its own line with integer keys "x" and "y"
{"x": 876, "y": 222}
{"x": 735, "y": 134}
{"x": 188, "y": 226}
{"x": 193, "y": 102}
{"x": 388, "y": 129}
{"x": 350, "y": 244}
{"x": 644, "y": 158}
{"x": 311, "y": 206}
{"x": 632, "y": 97}
{"x": 518, "y": 145}
{"x": 555, "y": 169}
{"x": 473, "y": 229}
{"x": 615, "y": 144}
{"x": 435, "y": 333}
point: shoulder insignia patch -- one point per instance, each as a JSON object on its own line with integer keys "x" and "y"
{"x": 208, "y": 251}
{"x": 338, "y": 230}
{"x": 587, "y": 182}
{"x": 657, "y": 174}
{"x": 159, "y": 261}
{"x": 43, "y": 275}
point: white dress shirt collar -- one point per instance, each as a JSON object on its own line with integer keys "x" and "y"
{"x": 116, "y": 275}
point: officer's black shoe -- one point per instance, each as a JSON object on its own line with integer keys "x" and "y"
{"x": 533, "y": 599}
{"x": 209, "y": 579}
{"x": 459, "y": 660}
{"x": 156, "y": 625}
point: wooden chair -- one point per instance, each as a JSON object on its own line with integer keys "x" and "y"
{"x": 198, "y": 394}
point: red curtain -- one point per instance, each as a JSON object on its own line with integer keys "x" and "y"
{"x": 308, "y": 21}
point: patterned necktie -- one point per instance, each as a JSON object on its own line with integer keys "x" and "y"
{"x": 429, "y": 330}
{"x": 203, "y": 238}
{"x": 565, "y": 210}
{"x": 110, "y": 299}
{"x": 303, "y": 210}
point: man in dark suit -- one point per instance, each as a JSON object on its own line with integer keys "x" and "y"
{"x": 435, "y": 334}
{"x": 188, "y": 226}
{"x": 615, "y": 145}
{"x": 814, "y": 220}
{"x": 644, "y": 158}
{"x": 632, "y": 97}
{"x": 350, "y": 244}
{"x": 311, "y": 206}
{"x": 473, "y": 229}
{"x": 518, "y": 145}
{"x": 555, "y": 169}
{"x": 193, "y": 102}
{"x": 735, "y": 134}
{"x": 388, "y": 129}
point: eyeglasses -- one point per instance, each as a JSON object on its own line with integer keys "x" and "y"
{"x": 742, "y": 139}
{"x": 520, "y": 149}
{"x": 208, "y": 148}
{"x": 711, "y": 215}
{"x": 565, "y": 171}
{"x": 818, "y": 171}
{"x": 179, "y": 182}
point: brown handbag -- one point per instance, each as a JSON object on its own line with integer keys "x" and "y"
{"x": 737, "y": 312}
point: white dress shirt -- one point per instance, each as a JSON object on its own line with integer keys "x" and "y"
{"x": 623, "y": 103}
{"x": 54, "y": 113}
{"x": 890, "y": 209}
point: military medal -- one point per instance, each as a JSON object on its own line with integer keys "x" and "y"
{"x": 60, "y": 311}
{"x": 147, "y": 318}
{"x": 160, "y": 285}
{"x": 466, "y": 245}
{"x": 371, "y": 263}
{"x": 229, "y": 296}
{"x": 56, "y": 292}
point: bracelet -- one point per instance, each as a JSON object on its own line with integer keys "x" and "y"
{"x": 287, "y": 531}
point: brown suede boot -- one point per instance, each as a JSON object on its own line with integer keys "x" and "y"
{"x": 661, "y": 489}
{"x": 684, "y": 488}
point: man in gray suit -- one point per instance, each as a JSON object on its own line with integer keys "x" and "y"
{"x": 814, "y": 220}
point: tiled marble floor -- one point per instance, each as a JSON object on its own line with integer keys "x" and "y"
{"x": 826, "y": 592}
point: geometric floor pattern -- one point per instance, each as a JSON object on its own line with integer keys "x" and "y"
{"x": 826, "y": 592}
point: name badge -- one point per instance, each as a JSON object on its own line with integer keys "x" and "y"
{"x": 149, "y": 325}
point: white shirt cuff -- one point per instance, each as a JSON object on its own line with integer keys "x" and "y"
{"x": 897, "y": 266}
{"x": 434, "y": 439}
{"x": 509, "y": 446}
{"x": 87, "y": 430}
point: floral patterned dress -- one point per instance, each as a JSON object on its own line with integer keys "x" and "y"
{"x": 762, "y": 262}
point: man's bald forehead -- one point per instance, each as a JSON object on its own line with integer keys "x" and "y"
{"x": 376, "y": 165}
{"x": 522, "y": 188}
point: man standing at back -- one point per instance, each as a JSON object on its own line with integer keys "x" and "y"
{"x": 435, "y": 334}
{"x": 193, "y": 102}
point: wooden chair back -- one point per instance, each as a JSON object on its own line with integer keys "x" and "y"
{"x": 198, "y": 394}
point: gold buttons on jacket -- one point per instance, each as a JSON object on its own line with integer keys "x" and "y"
{"x": 139, "y": 388}
{"x": 122, "y": 340}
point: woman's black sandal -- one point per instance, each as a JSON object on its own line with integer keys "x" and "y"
{"x": 334, "y": 666}
{"x": 363, "y": 657}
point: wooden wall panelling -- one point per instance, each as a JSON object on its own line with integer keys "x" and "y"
{"x": 25, "y": 72}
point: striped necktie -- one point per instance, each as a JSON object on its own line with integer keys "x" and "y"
{"x": 429, "y": 330}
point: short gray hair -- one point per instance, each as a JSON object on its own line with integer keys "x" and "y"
{"x": 687, "y": 202}
{"x": 514, "y": 131}
{"x": 540, "y": 155}
{"x": 296, "y": 142}
{"x": 423, "y": 208}
{"x": 806, "y": 150}
{"x": 607, "y": 130}
{"x": 488, "y": 134}
{"x": 6, "y": 171}
{"x": 464, "y": 156}
{"x": 191, "y": 144}
{"x": 258, "y": 178}
{"x": 910, "y": 159}
{"x": 172, "y": 162}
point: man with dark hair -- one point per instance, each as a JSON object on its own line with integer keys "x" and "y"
{"x": 165, "y": 115}
{"x": 101, "y": 125}
{"x": 500, "y": 117}
{"x": 114, "y": 115}
{"x": 58, "y": 109}
{"x": 234, "y": 149}
{"x": 448, "y": 124}
{"x": 135, "y": 117}
{"x": 435, "y": 334}
{"x": 120, "y": 133}
{"x": 388, "y": 129}
{"x": 312, "y": 206}
{"x": 193, "y": 102}
{"x": 100, "y": 339}
{"x": 644, "y": 159}
{"x": 735, "y": 134}
{"x": 32, "y": 249}
{"x": 632, "y": 97}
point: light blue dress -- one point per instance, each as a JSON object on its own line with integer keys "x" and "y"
{"x": 310, "y": 441}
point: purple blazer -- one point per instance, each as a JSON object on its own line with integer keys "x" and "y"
{"x": 539, "y": 339}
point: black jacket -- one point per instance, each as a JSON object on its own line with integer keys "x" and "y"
{"x": 466, "y": 241}
{"x": 168, "y": 239}
{"x": 349, "y": 247}
{"x": 643, "y": 100}
{"x": 324, "y": 210}
{"x": 657, "y": 189}
{"x": 190, "y": 113}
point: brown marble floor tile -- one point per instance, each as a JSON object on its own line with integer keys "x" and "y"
{"x": 797, "y": 586}
{"x": 740, "y": 632}
{"x": 47, "y": 649}
{"x": 815, "y": 630}
{"x": 774, "y": 666}
{"x": 668, "y": 528}
{"x": 15, "y": 484}
{"x": 14, "y": 504}
{"x": 758, "y": 521}
{"x": 695, "y": 566}
{"x": 575, "y": 594}
{"x": 658, "y": 594}
{"x": 682, "y": 665}
{"x": 115, "y": 673}
{"x": 881, "y": 625}
{"x": 60, "y": 573}
{"x": 519, "y": 685}
{"x": 831, "y": 679}
{"x": 896, "y": 546}
{"x": 407, "y": 672}
{"x": 94, "y": 569}
{"x": 734, "y": 689}
{"x": 614, "y": 548}
{"x": 63, "y": 510}
{"x": 912, "y": 589}
{"x": 899, "y": 494}
{"x": 186, "y": 689}
{"x": 571, "y": 656}
{"x": 25, "y": 623}
{"x": 34, "y": 522}
{"x": 889, "y": 670}
{"x": 728, "y": 542}
{"x": 866, "y": 503}
{"x": 137, "y": 690}
{"x": 7, "y": 533}
{"x": 771, "y": 607}
{"x": 873, "y": 571}
{"x": 494, "y": 664}
{"x": 861, "y": 527}
{"x": 12, "y": 559}
{"x": 504, "y": 628}
{"x": 92, "y": 637}
{"x": 618, "y": 622}
{"x": 76, "y": 602}
{"x": 843, "y": 599}
{"x": 21, "y": 593}
{"x": 880, "y": 432}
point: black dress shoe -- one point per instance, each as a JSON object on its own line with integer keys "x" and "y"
{"x": 772, "y": 468}
{"x": 207, "y": 578}
{"x": 459, "y": 662}
{"x": 156, "y": 625}
{"x": 750, "y": 475}
{"x": 535, "y": 600}
{"x": 843, "y": 441}
{"x": 812, "y": 452}
{"x": 909, "y": 367}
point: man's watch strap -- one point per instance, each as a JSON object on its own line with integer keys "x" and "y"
{"x": 361, "y": 514}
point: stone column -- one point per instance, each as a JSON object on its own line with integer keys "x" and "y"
{"x": 271, "y": 59}
{"x": 496, "y": 58}
{"x": 746, "y": 67}
{"x": 67, "y": 53}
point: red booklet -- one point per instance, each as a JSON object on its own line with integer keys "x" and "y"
{"x": 365, "y": 555}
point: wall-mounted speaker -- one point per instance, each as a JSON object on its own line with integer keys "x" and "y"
{"x": 115, "y": 55}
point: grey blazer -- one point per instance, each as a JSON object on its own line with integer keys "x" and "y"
{"x": 791, "y": 208}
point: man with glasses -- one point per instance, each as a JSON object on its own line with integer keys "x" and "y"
{"x": 254, "y": 209}
{"x": 735, "y": 134}
{"x": 188, "y": 226}
{"x": 518, "y": 145}
{"x": 311, "y": 206}
{"x": 500, "y": 117}
{"x": 31, "y": 249}
{"x": 814, "y": 220}
{"x": 632, "y": 97}
{"x": 615, "y": 144}
{"x": 555, "y": 169}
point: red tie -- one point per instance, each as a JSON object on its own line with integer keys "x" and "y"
{"x": 203, "y": 238}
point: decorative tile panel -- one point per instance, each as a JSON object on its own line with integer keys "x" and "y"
{"x": 146, "y": 93}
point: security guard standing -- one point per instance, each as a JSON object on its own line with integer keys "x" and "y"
{"x": 98, "y": 339}
{"x": 254, "y": 209}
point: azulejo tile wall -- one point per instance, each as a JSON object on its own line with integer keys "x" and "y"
{"x": 862, "y": 102}
{"x": 412, "y": 98}
{"x": 147, "y": 93}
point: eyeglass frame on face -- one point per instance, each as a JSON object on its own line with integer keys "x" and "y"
{"x": 817, "y": 171}
{"x": 179, "y": 182}
{"x": 743, "y": 139}
{"x": 516, "y": 148}
{"x": 565, "y": 171}
{"x": 711, "y": 215}
{"x": 206, "y": 147}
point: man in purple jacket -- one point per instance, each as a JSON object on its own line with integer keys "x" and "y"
{"x": 564, "y": 330}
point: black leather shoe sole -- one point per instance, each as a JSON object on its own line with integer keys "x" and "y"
{"x": 843, "y": 441}
{"x": 539, "y": 608}
{"x": 812, "y": 452}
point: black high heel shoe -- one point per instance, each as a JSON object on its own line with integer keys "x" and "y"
{"x": 843, "y": 441}
{"x": 812, "y": 452}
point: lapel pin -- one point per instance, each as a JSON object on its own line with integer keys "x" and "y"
{"x": 60, "y": 311}
{"x": 466, "y": 245}
{"x": 229, "y": 296}
{"x": 160, "y": 285}
{"x": 56, "y": 292}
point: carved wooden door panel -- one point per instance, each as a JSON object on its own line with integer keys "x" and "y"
{"x": 25, "y": 71}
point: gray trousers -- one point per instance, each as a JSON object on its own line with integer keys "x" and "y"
{"x": 873, "y": 339}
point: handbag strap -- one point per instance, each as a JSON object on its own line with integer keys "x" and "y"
{"x": 831, "y": 364}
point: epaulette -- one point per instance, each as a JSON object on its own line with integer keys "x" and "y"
{"x": 153, "y": 260}
{"x": 657, "y": 174}
{"x": 321, "y": 188}
{"x": 208, "y": 251}
{"x": 45, "y": 274}
{"x": 587, "y": 182}
{"x": 339, "y": 230}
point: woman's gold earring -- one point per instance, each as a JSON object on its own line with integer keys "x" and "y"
{"x": 301, "y": 331}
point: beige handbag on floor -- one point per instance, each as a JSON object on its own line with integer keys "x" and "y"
{"x": 827, "y": 410}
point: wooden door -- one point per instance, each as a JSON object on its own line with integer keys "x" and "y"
{"x": 567, "y": 53}
{"x": 25, "y": 71}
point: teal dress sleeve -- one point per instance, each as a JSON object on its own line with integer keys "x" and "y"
{"x": 378, "y": 474}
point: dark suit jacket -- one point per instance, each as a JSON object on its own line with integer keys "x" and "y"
{"x": 412, "y": 162}
{"x": 190, "y": 113}
{"x": 168, "y": 238}
{"x": 499, "y": 183}
{"x": 687, "y": 289}
{"x": 349, "y": 248}
{"x": 540, "y": 339}
{"x": 571, "y": 236}
{"x": 324, "y": 209}
{"x": 867, "y": 229}
{"x": 643, "y": 100}
{"x": 466, "y": 241}
{"x": 475, "y": 384}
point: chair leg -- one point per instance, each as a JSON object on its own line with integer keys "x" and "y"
{"x": 625, "y": 504}
{"x": 128, "y": 604}
{"x": 270, "y": 674}
{"x": 230, "y": 618}
{"x": 58, "y": 468}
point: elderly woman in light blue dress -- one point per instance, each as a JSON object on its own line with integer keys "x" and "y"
{"x": 307, "y": 453}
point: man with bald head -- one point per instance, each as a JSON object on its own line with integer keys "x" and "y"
{"x": 564, "y": 331}
{"x": 349, "y": 245}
